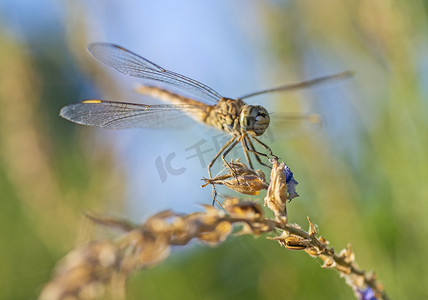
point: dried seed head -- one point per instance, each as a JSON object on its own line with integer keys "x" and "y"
{"x": 292, "y": 242}
{"x": 312, "y": 228}
{"x": 219, "y": 234}
{"x": 323, "y": 240}
{"x": 83, "y": 273}
{"x": 243, "y": 209}
{"x": 347, "y": 254}
{"x": 276, "y": 197}
{"x": 245, "y": 180}
{"x": 245, "y": 184}
{"x": 328, "y": 262}
{"x": 241, "y": 169}
{"x": 152, "y": 248}
{"x": 295, "y": 243}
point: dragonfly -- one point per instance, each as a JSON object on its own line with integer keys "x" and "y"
{"x": 245, "y": 123}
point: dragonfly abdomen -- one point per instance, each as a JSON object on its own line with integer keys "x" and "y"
{"x": 167, "y": 96}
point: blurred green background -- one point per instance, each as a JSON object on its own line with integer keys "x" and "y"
{"x": 363, "y": 177}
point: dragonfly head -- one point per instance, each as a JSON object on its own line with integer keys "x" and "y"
{"x": 254, "y": 119}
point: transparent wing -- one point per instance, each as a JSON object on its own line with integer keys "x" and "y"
{"x": 303, "y": 84}
{"x": 134, "y": 65}
{"x": 288, "y": 125}
{"x": 120, "y": 115}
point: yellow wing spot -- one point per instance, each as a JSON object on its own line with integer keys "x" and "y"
{"x": 92, "y": 101}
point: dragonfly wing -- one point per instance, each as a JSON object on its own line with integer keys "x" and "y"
{"x": 303, "y": 84}
{"x": 288, "y": 125}
{"x": 134, "y": 65}
{"x": 120, "y": 115}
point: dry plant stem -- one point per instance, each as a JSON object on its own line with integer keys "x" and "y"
{"x": 110, "y": 264}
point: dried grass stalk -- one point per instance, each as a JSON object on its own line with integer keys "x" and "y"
{"x": 87, "y": 272}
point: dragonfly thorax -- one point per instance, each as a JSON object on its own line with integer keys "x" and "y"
{"x": 254, "y": 119}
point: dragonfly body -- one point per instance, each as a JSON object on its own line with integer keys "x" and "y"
{"x": 225, "y": 115}
{"x": 233, "y": 116}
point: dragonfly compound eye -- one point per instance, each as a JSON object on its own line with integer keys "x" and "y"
{"x": 254, "y": 119}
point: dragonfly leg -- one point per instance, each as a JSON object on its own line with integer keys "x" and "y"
{"x": 245, "y": 148}
{"x": 223, "y": 157}
{"x": 265, "y": 146}
{"x": 214, "y": 193}
{"x": 253, "y": 150}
